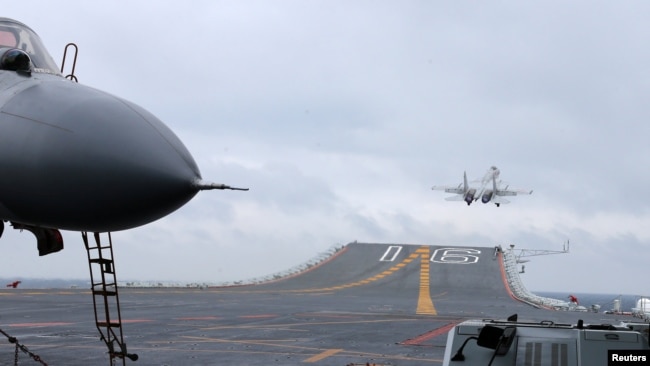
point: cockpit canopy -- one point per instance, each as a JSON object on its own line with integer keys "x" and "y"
{"x": 14, "y": 34}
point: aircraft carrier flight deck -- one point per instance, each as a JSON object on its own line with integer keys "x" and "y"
{"x": 376, "y": 304}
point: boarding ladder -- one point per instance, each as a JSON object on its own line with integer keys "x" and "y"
{"x": 106, "y": 300}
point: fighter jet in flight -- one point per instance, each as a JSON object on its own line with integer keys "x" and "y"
{"x": 76, "y": 158}
{"x": 488, "y": 191}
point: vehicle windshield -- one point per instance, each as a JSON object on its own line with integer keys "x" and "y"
{"x": 14, "y": 34}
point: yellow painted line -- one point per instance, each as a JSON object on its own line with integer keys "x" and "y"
{"x": 323, "y": 355}
{"x": 425, "y": 304}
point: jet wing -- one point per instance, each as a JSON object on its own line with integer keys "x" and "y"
{"x": 450, "y": 189}
{"x": 458, "y": 197}
{"x": 512, "y": 192}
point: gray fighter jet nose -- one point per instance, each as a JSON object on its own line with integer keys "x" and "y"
{"x": 119, "y": 164}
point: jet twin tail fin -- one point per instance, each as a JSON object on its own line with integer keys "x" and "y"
{"x": 465, "y": 185}
{"x": 461, "y": 189}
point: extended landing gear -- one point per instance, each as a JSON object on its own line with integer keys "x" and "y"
{"x": 105, "y": 297}
{"x": 48, "y": 240}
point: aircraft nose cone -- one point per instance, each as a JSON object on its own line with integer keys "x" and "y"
{"x": 95, "y": 161}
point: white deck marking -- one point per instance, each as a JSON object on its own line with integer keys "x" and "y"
{"x": 395, "y": 248}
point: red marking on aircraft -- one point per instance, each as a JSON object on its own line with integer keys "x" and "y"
{"x": 14, "y": 284}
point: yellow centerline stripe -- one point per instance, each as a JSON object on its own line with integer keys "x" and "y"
{"x": 425, "y": 304}
{"x": 323, "y": 355}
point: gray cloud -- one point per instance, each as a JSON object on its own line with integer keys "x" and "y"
{"x": 340, "y": 116}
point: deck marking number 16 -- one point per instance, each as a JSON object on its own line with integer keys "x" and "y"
{"x": 455, "y": 255}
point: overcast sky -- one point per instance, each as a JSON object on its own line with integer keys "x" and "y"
{"x": 341, "y": 115}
